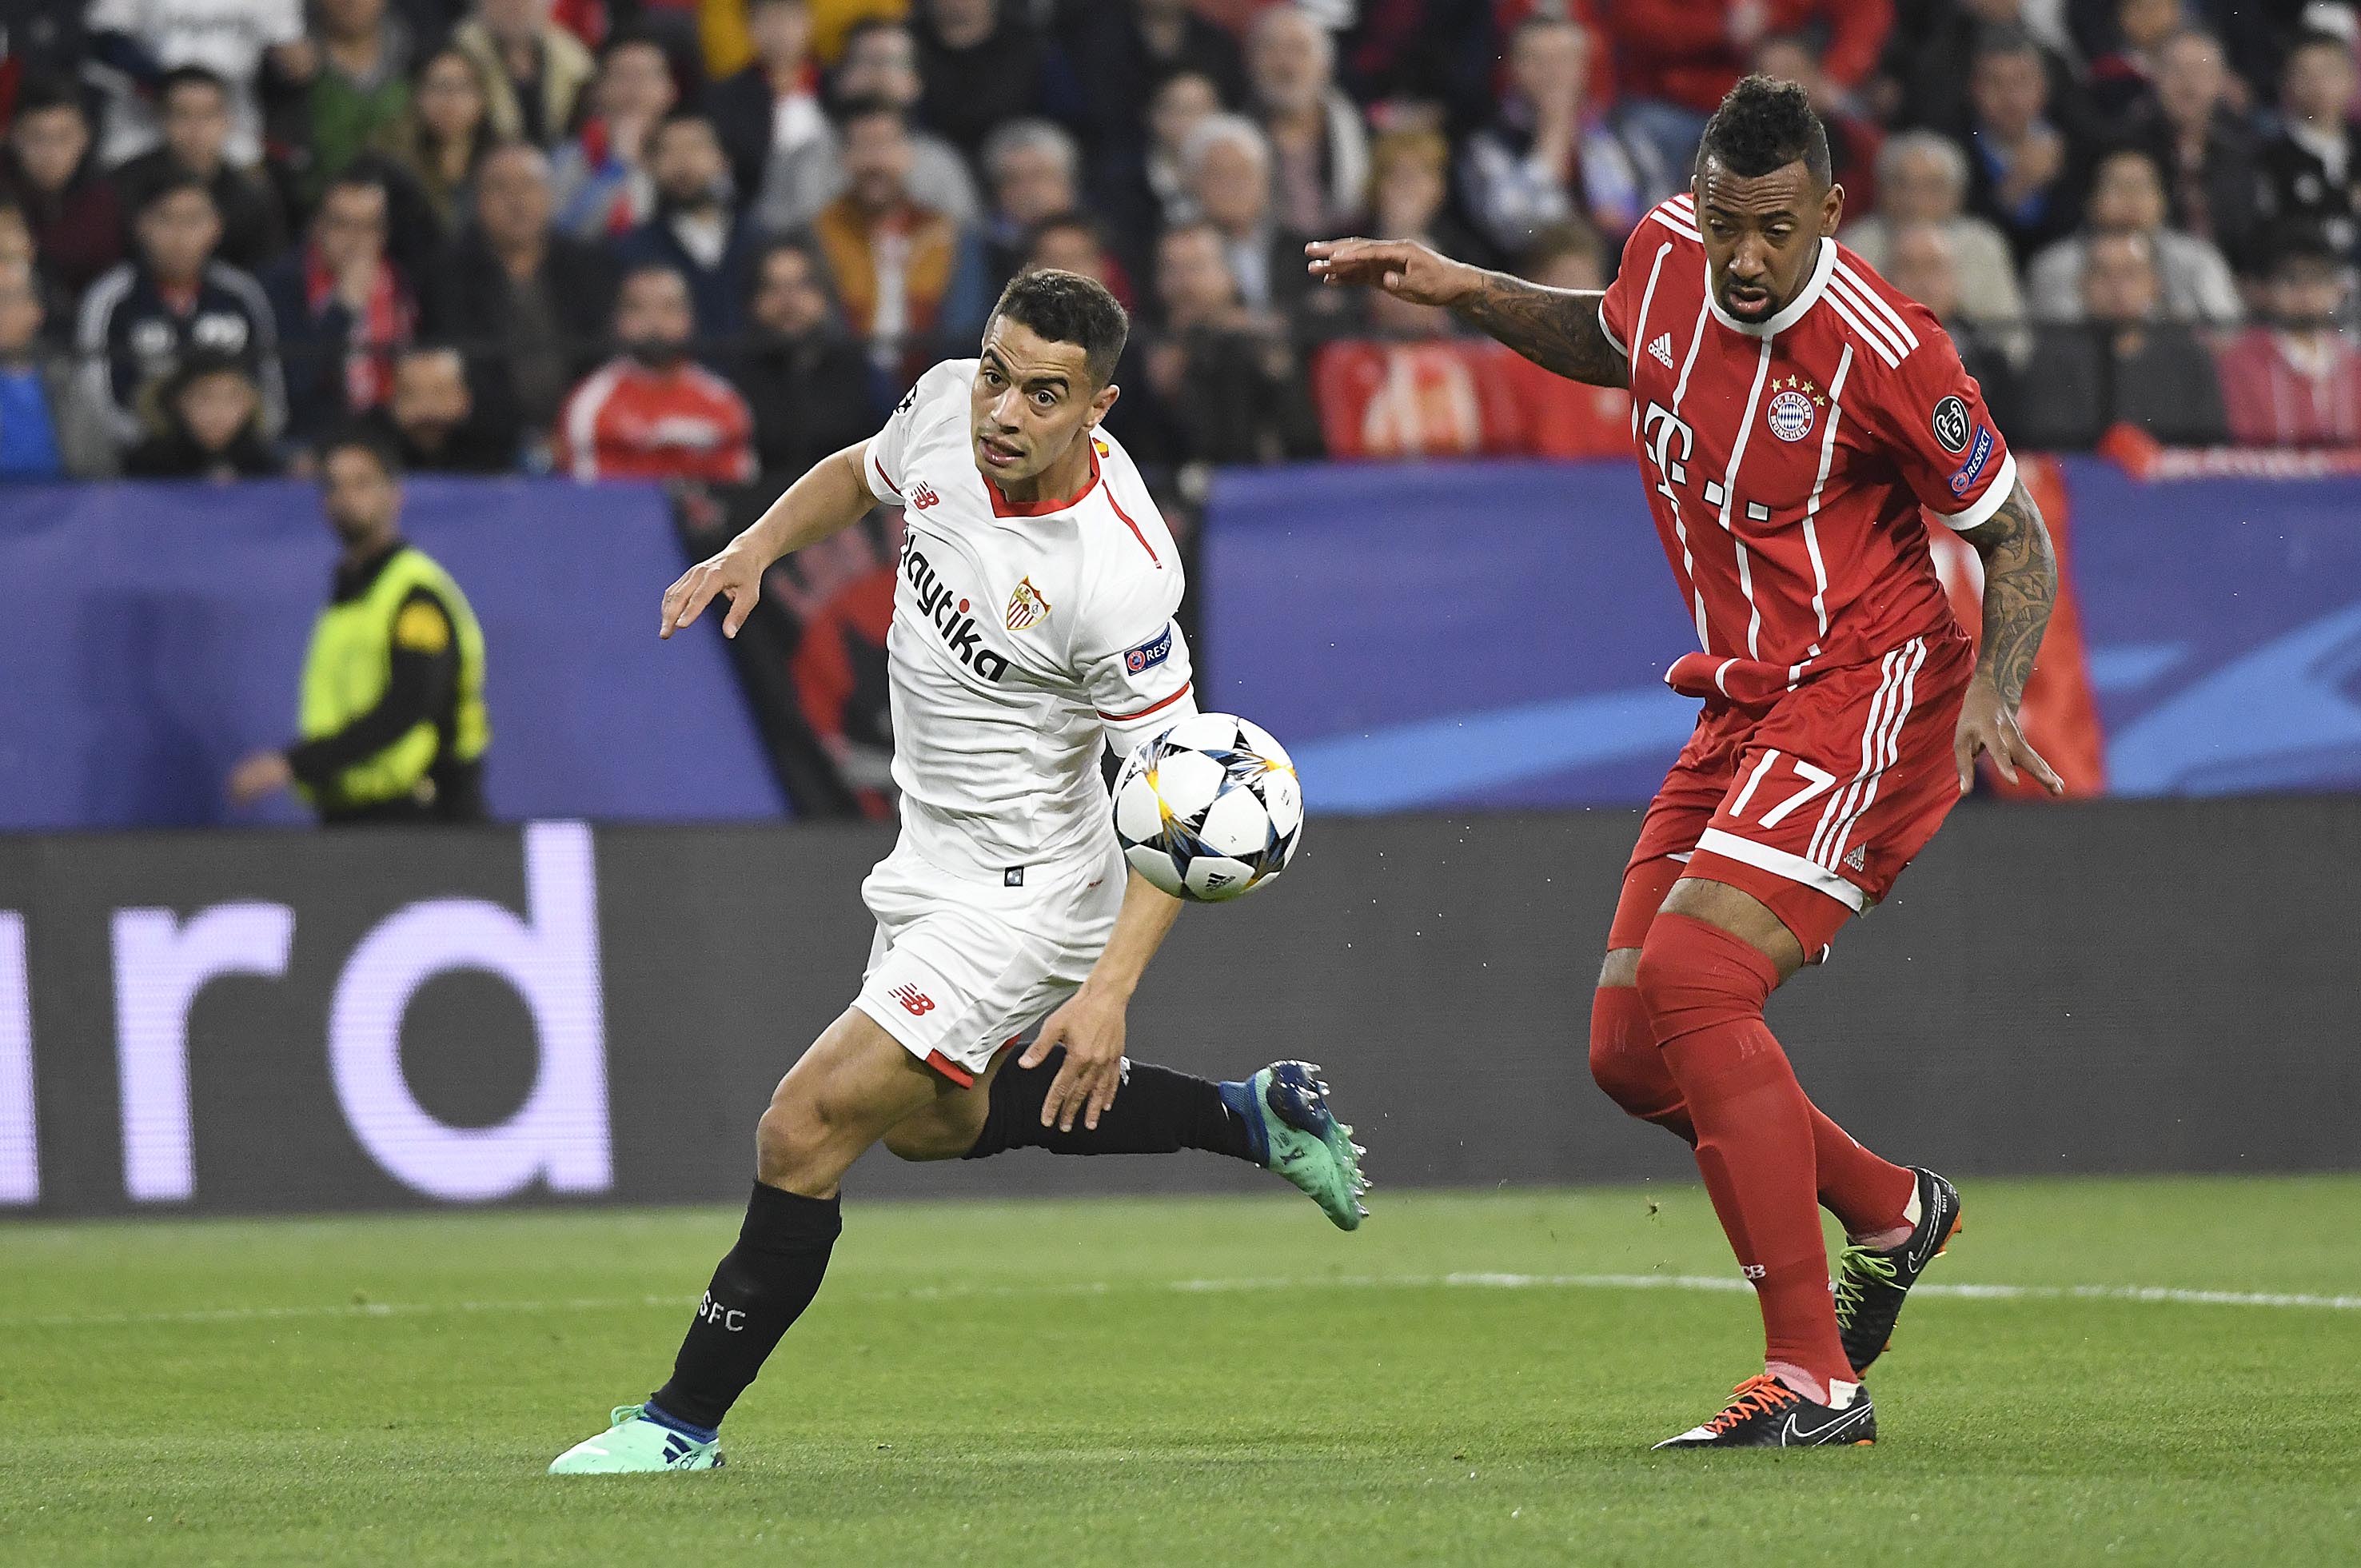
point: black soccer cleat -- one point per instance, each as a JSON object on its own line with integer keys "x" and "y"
{"x": 1763, "y": 1412}
{"x": 1870, "y": 1286}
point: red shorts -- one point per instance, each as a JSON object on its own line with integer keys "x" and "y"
{"x": 1814, "y": 803}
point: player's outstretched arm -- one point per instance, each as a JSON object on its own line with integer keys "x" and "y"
{"x": 1090, "y": 1025}
{"x": 1557, "y": 329}
{"x": 827, "y": 501}
{"x": 2020, "y": 588}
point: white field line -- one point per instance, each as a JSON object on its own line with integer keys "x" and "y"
{"x": 2150, "y": 1294}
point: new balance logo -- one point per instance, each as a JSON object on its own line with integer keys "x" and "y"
{"x": 1859, "y": 859}
{"x": 922, "y": 496}
{"x": 916, "y": 1003}
{"x": 1661, "y": 350}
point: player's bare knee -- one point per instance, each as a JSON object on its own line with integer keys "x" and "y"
{"x": 1620, "y": 967}
{"x": 928, "y": 1137}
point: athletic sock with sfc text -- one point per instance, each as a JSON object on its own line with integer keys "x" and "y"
{"x": 761, "y": 1288}
{"x": 1704, "y": 989}
{"x": 1156, "y": 1111}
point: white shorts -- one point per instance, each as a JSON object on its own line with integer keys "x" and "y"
{"x": 962, "y": 967}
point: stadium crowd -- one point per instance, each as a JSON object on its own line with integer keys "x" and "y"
{"x": 713, "y": 238}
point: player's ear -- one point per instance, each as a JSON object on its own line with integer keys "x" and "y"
{"x": 1832, "y": 210}
{"x": 1104, "y": 401}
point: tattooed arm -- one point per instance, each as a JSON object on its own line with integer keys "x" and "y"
{"x": 2020, "y": 586}
{"x": 1557, "y": 329}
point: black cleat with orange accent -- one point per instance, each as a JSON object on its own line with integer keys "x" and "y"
{"x": 1763, "y": 1412}
{"x": 1870, "y": 1285}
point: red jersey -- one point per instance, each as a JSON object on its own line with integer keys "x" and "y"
{"x": 627, "y": 421}
{"x": 1786, "y": 460}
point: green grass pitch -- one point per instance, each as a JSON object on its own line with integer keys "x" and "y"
{"x": 1464, "y": 1381}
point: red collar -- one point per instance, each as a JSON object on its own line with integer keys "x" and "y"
{"x": 1002, "y": 506}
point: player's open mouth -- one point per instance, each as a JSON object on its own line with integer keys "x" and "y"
{"x": 1744, "y": 301}
{"x": 998, "y": 456}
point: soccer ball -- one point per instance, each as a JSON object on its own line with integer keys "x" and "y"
{"x": 1210, "y": 808}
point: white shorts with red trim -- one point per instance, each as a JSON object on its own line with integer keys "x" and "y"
{"x": 962, "y": 967}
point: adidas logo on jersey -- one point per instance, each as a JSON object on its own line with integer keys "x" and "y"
{"x": 948, "y": 613}
{"x": 1661, "y": 350}
{"x": 1859, "y": 859}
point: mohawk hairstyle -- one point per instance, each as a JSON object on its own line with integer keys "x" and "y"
{"x": 1765, "y": 124}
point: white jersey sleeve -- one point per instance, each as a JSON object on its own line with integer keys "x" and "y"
{"x": 940, "y": 394}
{"x": 1134, "y": 661}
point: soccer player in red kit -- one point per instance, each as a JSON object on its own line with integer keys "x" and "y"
{"x": 1791, "y": 416}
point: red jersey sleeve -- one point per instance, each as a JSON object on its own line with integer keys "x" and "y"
{"x": 1940, "y": 433}
{"x": 1622, "y": 301}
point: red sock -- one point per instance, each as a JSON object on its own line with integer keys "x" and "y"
{"x": 1704, "y": 990}
{"x": 1865, "y": 1193}
{"x": 1626, "y": 1064}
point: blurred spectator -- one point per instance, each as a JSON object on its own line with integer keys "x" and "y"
{"x": 653, "y": 413}
{"x": 1674, "y": 59}
{"x": 1032, "y": 170}
{"x": 2207, "y": 153}
{"x": 880, "y": 62}
{"x": 1069, "y": 242}
{"x": 771, "y": 109}
{"x": 1547, "y": 156}
{"x": 342, "y": 309}
{"x": 533, "y": 70}
{"x": 694, "y": 231}
{"x": 1853, "y": 136}
{"x": 1233, "y": 384}
{"x": 1142, "y": 195}
{"x": 600, "y": 177}
{"x": 981, "y": 63}
{"x": 2310, "y": 168}
{"x": 2129, "y": 366}
{"x": 141, "y": 320}
{"x": 804, "y": 376}
{"x": 2127, "y": 197}
{"x": 361, "y": 88}
{"x": 1925, "y": 266}
{"x": 196, "y": 111}
{"x": 538, "y": 301}
{"x": 1927, "y": 87}
{"x": 211, "y": 414}
{"x": 1409, "y": 192}
{"x": 1320, "y": 152}
{"x": 17, "y": 237}
{"x": 75, "y": 216}
{"x": 2123, "y": 75}
{"x": 1124, "y": 52}
{"x": 1922, "y": 178}
{"x": 904, "y": 270}
{"x": 145, "y": 38}
{"x": 1227, "y": 162}
{"x": 1555, "y": 417}
{"x": 46, "y": 428}
{"x": 440, "y": 420}
{"x": 2296, "y": 381}
{"x": 442, "y": 133}
{"x": 2022, "y": 172}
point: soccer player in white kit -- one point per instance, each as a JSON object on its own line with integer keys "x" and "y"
{"x": 1032, "y": 626}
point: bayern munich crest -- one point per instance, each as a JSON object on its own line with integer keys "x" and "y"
{"x": 1025, "y": 606}
{"x": 1791, "y": 415}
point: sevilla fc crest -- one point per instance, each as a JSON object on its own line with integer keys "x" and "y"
{"x": 1791, "y": 415}
{"x": 1025, "y": 606}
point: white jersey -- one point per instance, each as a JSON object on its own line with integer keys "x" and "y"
{"x": 1025, "y": 637}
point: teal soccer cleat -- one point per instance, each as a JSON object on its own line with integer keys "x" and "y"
{"x": 634, "y": 1445}
{"x": 1305, "y": 1143}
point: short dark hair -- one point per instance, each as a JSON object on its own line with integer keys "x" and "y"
{"x": 356, "y": 435}
{"x": 1553, "y": 241}
{"x": 870, "y": 107}
{"x": 1080, "y": 222}
{"x": 1765, "y": 125}
{"x": 37, "y": 94}
{"x": 1065, "y": 307}
{"x": 171, "y": 183}
{"x": 191, "y": 76}
{"x": 2297, "y": 242}
{"x": 2317, "y": 37}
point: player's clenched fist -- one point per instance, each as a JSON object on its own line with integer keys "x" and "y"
{"x": 734, "y": 573}
{"x": 1402, "y": 268}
